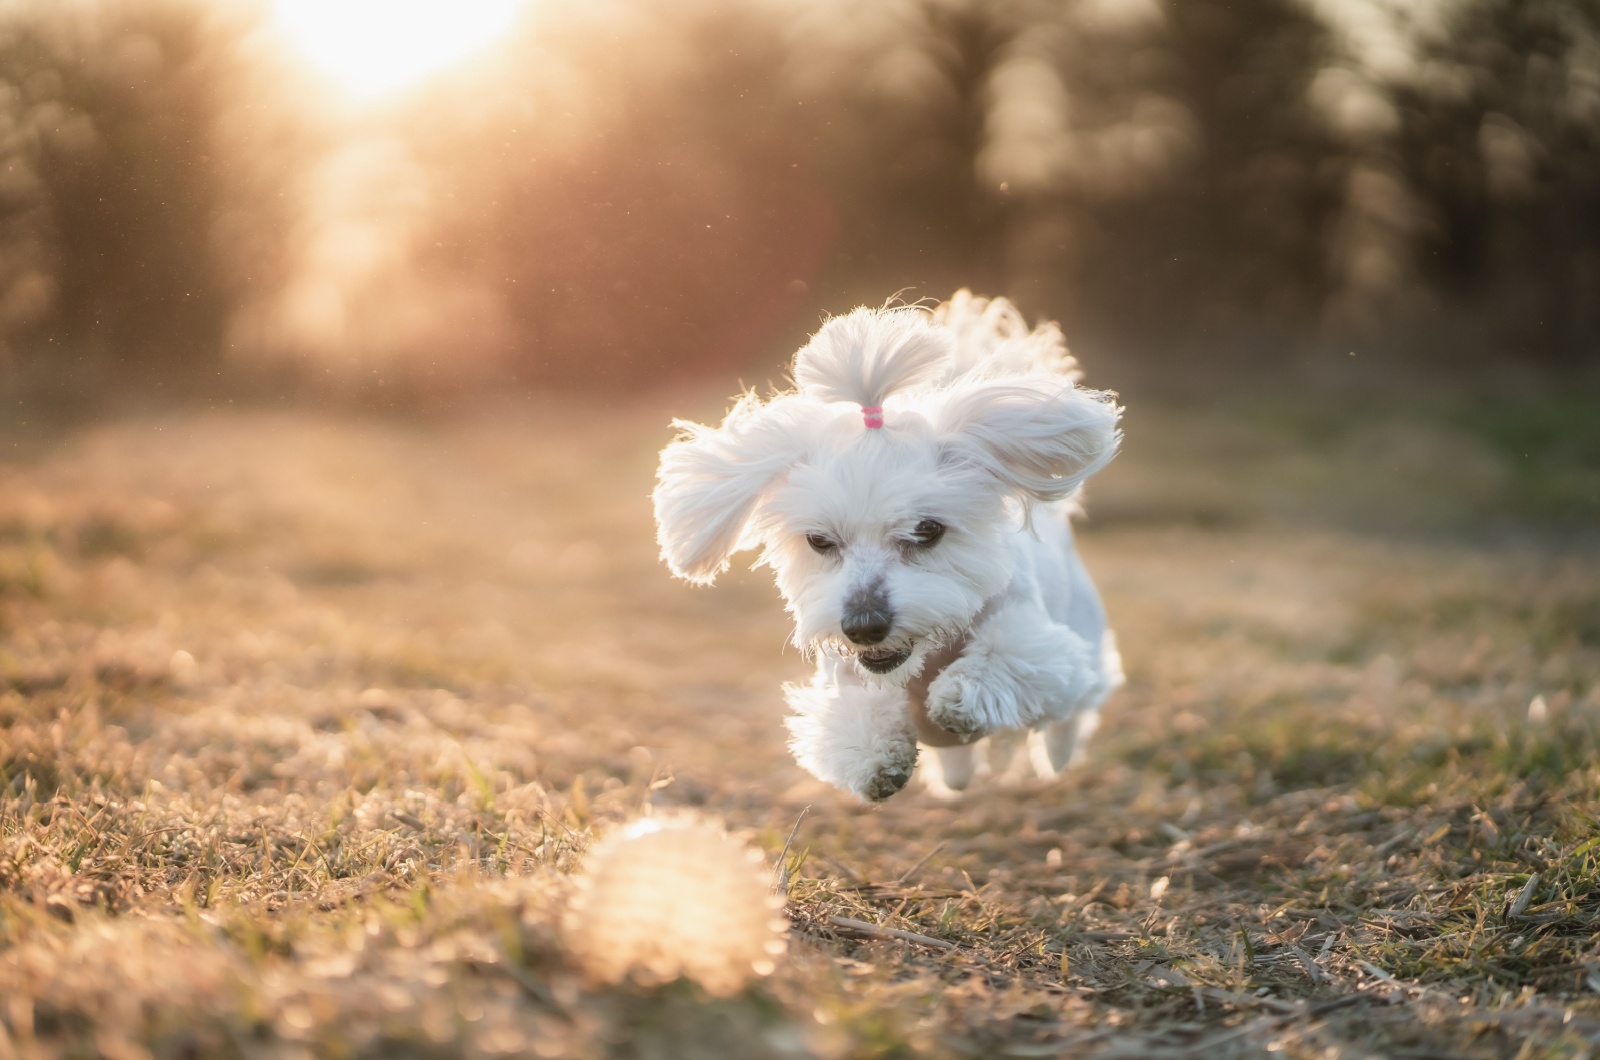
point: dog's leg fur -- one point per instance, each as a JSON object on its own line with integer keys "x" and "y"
{"x": 1019, "y": 669}
{"x": 1056, "y": 745}
{"x": 851, "y": 736}
{"x": 957, "y": 765}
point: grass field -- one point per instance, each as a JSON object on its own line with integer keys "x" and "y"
{"x": 306, "y": 722}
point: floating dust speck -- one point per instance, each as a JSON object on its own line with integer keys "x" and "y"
{"x": 665, "y": 898}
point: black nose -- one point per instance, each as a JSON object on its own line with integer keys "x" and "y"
{"x": 867, "y": 618}
{"x": 868, "y": 627}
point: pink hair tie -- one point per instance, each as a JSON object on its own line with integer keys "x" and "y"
{"x": 872, "y": 416}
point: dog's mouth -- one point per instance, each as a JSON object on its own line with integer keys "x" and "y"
{"x": 882, "y": 660}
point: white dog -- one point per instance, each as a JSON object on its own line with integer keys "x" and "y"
{"x": 913, "y": 496}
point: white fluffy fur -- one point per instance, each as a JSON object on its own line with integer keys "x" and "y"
{"x": 986, "y": 433}
{"x": 854, "y": 737}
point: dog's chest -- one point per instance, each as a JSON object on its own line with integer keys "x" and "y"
{"x": 917, "y": 694}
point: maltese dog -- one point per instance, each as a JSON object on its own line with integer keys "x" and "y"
{"x": 913, "y": 497}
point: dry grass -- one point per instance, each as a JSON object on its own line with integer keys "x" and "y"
{"x": 306, "y": 721}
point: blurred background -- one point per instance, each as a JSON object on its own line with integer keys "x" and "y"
{"x": 338, "y": 342}
{"x": 415, "y": 201}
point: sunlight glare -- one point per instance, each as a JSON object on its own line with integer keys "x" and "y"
{"x": 376, "y": 46}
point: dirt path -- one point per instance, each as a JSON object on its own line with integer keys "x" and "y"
{"x": 305, "y": 722}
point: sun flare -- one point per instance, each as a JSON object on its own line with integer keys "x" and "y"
{"x": 375, "y": 46}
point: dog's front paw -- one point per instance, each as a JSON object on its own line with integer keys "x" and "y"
{"x": 890, "y": 777}
{"x": 953, "y": 703}
{"x": 854, "y": 738}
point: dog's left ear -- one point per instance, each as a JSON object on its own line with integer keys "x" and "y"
{"x": 710, "y": 481}
{"x": 1042, "y": 437}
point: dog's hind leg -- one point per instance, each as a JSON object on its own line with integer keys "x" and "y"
{"x": 957, "y": 765}
{"x": 1056, "y": 745}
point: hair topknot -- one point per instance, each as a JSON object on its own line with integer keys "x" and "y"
{"x": 868, "y": 354}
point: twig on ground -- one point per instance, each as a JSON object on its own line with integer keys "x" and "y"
{"x": 873, "y": 931}
{"x": 906, "y": 875}
{"x": 1392, "y": 842}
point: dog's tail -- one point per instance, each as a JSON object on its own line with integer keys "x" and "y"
{"x": 993, "y": 339}
{"x": 868, "y": 354}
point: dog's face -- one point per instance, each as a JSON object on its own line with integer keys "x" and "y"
{"x": 883, "y": 548}
{"x": 882, "y": 491}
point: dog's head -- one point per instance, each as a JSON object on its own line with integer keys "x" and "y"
{"x": 886, "y": 529}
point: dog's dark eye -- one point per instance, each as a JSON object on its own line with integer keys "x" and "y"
{"x": 928, "y": 532}
{"x": 821, "y": 543}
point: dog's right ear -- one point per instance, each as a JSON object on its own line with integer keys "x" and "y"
{"x": 710, "y": 481}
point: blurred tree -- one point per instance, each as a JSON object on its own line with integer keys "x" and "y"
{"x": 618, "y": 193}
{"x": 1502, "y": 143}
{"x": 107, "y": 255}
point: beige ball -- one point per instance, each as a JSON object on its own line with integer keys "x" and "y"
{"x": 666, "y": 898}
